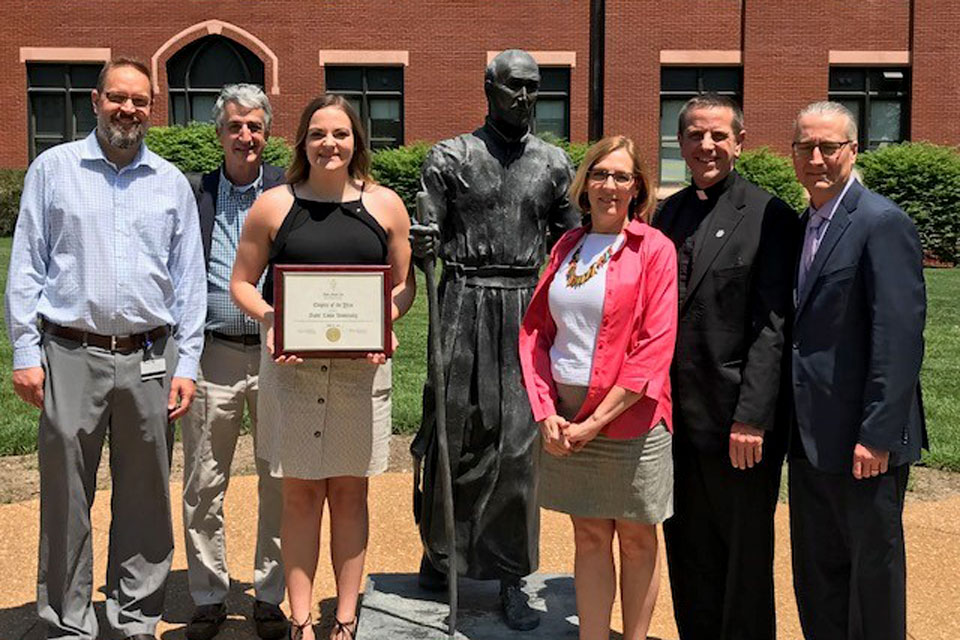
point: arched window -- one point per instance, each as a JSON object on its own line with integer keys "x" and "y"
{"x": 196, "y": 73}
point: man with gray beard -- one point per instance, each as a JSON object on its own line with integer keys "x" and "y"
{"x": 105, "y": 302}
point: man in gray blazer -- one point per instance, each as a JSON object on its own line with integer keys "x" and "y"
{"x": 856, "y": 355}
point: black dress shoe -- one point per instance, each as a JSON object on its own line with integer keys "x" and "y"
{"x": 517, "y": 613}
{"x": 431, "y": 578}
{"x": 269, "y": 619}
{"x": 206, "y": 621}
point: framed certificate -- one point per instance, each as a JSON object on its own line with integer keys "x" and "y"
{"x": 332, "y": 311}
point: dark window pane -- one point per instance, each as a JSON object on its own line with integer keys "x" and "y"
{"x": 885, "y": 119}
{"x": 357, "y": 103}
{"x": 84, "y": 76}
{"x": 551, "y": 117}
{"x": 555, "y": 79}
{"x": 217, "y": 64}
{"x": 205, "y": 64}
{"x": 178, "y": 109}
{"x": 385, "y": 119}
{"x": 383, "y": 144}
{"x": 177, "y": 69}
{"x": 847, "y": 79}
{"x": 854, "y": 107}
{"x": 344, "y": 78}
{"x": 678, "y": 79}
{"x": 43, "y": 145}
{"x": 48, "y": 113}
{"x": 721, "y": 79}
{"x": 46, "y": 75}
{"x": 669, "y": 117}
{"x": 201, "y": 106}
{"x": 888, "y": 81}
{"x": 673, "y": 169}
{"x": 84, "y": 121}
{"x": 385, "y": 79}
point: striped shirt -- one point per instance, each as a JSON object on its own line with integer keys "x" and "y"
{"x": 107, "y": 251}
{"x": 233, "y": 204}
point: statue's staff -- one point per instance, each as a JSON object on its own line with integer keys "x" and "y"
{"x": 435, "y": 365}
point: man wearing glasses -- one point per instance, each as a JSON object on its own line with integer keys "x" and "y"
{"x": 105, "y": 305}
{"x": 856, "y": 355}
{"x": 735, "y": 275}
{"x": 228, "y": 379}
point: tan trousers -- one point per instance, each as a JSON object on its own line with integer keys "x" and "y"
{"x": 227, "y": 381}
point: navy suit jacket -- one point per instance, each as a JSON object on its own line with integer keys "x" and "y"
{"x": 858, "y": 337}
{"x": 206, "y": 187}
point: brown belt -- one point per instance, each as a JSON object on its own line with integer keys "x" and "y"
{"x": 117, "y": 344}
{"x": 246, "y": 339}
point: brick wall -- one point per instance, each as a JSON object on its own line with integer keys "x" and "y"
{"x": 935, "y": 113}
{"x": 784, "y": 47}
{"x": 447, "y": 41}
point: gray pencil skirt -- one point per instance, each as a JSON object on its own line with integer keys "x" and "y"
{"x": 612, "y": 479}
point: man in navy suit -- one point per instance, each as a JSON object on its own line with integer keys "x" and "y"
{"x": 227, "y": 380}
{"x": 857, "y": 350}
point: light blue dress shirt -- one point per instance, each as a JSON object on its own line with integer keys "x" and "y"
{"x": 233, "y": 204}
{"x": 106, "y": 251}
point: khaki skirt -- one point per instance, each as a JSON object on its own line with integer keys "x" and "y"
{"x": 610, "y": 479}
{"x": 324, "y": 418}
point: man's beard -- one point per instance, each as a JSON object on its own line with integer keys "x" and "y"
{"x": 120, "y": 137}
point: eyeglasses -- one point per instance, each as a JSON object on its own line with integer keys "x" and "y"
{"x": 621, "y": 178}
{"x": 828, "y": 148}
{"x": 140, "y": 102}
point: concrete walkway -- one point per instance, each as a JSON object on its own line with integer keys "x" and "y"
{"x": 933, "y": 548}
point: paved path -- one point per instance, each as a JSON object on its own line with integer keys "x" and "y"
{"x": 933, "y": 548}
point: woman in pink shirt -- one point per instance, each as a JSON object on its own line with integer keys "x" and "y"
{"x": 595, "y": 347}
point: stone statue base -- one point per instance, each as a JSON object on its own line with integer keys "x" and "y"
{"x": 395, "y": 607}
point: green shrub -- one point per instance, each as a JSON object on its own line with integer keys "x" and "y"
{"x": 773, "y": 172}
{"x": 278, "y": 152}
{"x": 195, "y": 147}
{"x": 575, "y": 150}
{"x": 11, "y": 186}
{"x": 924, "y": 180}
{"x": 399, "y": 169}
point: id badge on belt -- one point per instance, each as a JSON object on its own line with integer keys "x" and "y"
{"x": 152, "y": 367}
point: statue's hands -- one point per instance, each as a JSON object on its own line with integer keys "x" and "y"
{"x": 424, "y": 240}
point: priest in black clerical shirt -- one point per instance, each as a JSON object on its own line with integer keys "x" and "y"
{"x": 735, "y": 246}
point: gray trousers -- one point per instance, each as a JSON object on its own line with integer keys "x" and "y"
{"x": 89, "y": 395}
{"x": 227, "y": 381}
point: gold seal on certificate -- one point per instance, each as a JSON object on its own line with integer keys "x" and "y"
{"x": 332, "y": 311}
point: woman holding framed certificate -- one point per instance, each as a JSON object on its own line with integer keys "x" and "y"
{"x": 324, "y": 422}
{"x": 595, "y": 347}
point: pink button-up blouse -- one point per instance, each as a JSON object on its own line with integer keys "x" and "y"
{"x": 635, "y": 341}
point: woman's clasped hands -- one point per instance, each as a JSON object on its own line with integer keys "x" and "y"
{"x": 562, "y": 437}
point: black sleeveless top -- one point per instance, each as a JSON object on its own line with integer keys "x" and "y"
{"x": 326, "y": 233}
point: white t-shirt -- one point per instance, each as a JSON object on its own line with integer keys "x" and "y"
{"x": 577, "y": 312}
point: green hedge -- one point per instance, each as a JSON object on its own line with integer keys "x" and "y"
{"x": 773, "y": 172}
{"x": 195, "y": 147}
{"x": 399, "y": 169}
{"x": 924, "y": 179}
{"x": 11, "y": 186}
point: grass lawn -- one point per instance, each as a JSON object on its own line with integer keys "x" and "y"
{"x": 941, "y": 372}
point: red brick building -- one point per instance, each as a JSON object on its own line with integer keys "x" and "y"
{"x": 416, "y": 66}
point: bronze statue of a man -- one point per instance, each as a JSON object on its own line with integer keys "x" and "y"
{"x": 496, "y": 200}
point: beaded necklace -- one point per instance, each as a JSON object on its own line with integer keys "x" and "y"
{"x": 574, "y": 279}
